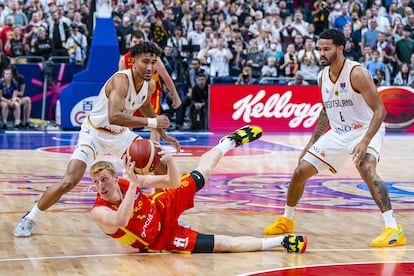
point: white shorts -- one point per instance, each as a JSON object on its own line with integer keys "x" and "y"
{"x": 94, "y": 142}
{"x": 333, "y": 149}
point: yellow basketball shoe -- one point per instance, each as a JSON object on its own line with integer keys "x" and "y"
{"x": 389, "y": 237}
{"x": 244, "y": 135}
{"x": 281, "y": 225}
{"x": 295, "y": 243}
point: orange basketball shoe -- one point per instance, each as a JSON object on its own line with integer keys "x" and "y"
{"x": 281, "y": 225}
{"x": 389, "y": 237}
{"x": 295, "y": 243}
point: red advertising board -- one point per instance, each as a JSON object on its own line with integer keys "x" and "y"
{"x": 294, "y": 108}
{"x": 274, "y": 108}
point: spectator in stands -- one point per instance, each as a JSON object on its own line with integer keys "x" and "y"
{"x": 298, "y": 79}
{"x": 9, "y": 99}
{"x": 195, "y": 71}
{"x": 4, "y": 62}
{"x": 197, "y": 36}
{"x": 375, "y": 64}
{"x": 178, "y": 41}
{"x": 290, "y": 62}
{"x": 310, "y": 32}
{"x": 370, "y": 37}
{"x": 379, "y": 79}
{"x": 287, "y": 33}
{"x": 246, "y": 77}
{"x": 349, "y": 51}
{"x": 334, "y": 13}
{"x": 357, "y": 36}
{"x": 405, "y": 76}
{"x": 25, "y": 101}
{"x": 255, "y": 59}
{"x": 220, "y": 57}
{"x": 320, "y": 15}
{"x": 343, "y": 19}
{"x": 58, "y": 33}
{"x": 6, "y": 33}
{"x": 15, "y": 43}
{"x": 270, "y": 69}
{"x": 20, "y": 18}
{"x": 2, "y": 14}
{"x": 404, "y": 47}
{"x": 76, "y": 45}
{"x": 123, "y": 30}
{"x": 382, "y": 21}
{"x": 308, "y": 59}
{"x": 43, "y": 44}
{"x": 199, "y": 103}
{"x": 299, "y": 23}
{"x": 77, "y": 20}
{"x": 30, "y": 31}
{"x": 239, "y": 58}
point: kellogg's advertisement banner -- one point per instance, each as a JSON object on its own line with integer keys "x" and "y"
{"x": 274, "y": 108}
{"x": 294, "y": 108}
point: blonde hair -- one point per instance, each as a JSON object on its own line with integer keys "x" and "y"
{"x": 100, "y": 166}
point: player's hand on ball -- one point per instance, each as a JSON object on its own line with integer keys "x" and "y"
{"x": 133, "y": 177}
{"x": 164, "y": 153}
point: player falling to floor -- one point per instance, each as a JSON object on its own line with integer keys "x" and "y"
{"x": 150, "y": 222}
{"x": 355, "y": 114}
{"x": 107, "y": 128}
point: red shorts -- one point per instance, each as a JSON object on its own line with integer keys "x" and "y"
{"x": 173, "y": 203}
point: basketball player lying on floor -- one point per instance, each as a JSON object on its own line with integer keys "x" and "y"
{"x": 150, "y": 222}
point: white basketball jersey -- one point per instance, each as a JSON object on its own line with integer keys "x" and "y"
{"x": 346, "y": 108}
{"x": 134, "y": 100}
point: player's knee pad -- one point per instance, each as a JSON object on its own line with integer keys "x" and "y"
{"x": 84, "y": 153}
{"x": 198, "y": 179}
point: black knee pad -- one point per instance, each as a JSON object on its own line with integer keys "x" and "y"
{"x": 199, "y": 179}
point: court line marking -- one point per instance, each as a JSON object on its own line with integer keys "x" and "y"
{"x": 319, "y": 265}
{"x": 77, "y": 256}
{"x": 159, "y": 253}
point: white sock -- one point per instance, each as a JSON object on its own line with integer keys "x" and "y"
{"x": 33, "y": 213}
{"x": 269, "y": 243}
{"x": 389, "y": 219}
{"x": 225, "y": 146}
{"x": 17, "y": 122}
{"x": 289, "y": 212}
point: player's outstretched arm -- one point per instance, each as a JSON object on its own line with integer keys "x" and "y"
{"x": 160, "y": 67}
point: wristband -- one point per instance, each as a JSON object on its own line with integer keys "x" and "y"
{"x": 152, "y": 122}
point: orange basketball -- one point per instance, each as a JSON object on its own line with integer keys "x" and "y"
{"x": 399, "y": 104}
{"x": 145, "y": 155}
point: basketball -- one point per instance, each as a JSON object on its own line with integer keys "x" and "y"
{"x": 399, "y": 104}
{"x": 145, "y": 155}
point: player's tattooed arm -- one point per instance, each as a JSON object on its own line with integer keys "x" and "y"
{"x": 321, "y": 126}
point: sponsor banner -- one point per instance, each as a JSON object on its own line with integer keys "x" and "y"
{"x": 274, "y": 108}
{"x": 294, "y": 108}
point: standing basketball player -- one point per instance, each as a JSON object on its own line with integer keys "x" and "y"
{"x": 150, "y": 224}
{"x": 125, "y": 62}
{"x": 106, "y": 129}
{"x": 355, "y": 114}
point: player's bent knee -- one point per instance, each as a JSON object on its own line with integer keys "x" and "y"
{"x": 198, "y": 179}
{"x": 84, "y": 153}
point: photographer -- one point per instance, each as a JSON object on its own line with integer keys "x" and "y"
{"x": 246, "y": 77}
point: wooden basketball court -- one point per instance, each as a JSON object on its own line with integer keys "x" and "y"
{"x": 246, "y": 192}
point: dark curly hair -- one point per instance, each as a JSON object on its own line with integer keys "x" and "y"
{"x": 337, "y": 36}
{"x": 145, "y": 48}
